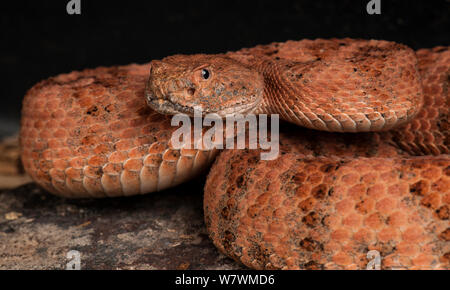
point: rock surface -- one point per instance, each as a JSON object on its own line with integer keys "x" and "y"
{"x": 164, "y": 230}
{"x": 12, "y": 173}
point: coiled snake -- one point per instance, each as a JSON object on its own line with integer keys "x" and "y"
{"x": 324, "y": 203}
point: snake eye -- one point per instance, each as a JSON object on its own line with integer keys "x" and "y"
{"x": 205, "y": 74}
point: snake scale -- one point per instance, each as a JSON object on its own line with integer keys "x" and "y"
{"x": 324, "y": 203}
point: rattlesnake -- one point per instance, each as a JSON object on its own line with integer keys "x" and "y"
{"x": 324, "y": 203}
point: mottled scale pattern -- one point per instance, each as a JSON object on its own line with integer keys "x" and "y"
{"x": 91, "y": 134}
{"x": 429, "y": 132}
{"x": 331, "y": 198}
{"x": 338, "y": 85}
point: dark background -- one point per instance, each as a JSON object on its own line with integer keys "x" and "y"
{"x": 39, "y": 39}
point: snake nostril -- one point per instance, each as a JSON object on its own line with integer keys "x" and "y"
{"x": 191, "y": 91}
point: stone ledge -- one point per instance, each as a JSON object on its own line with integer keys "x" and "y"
{"x": 157, "y": 231}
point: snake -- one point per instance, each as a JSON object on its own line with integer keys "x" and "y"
{"x": 363, "y": 167}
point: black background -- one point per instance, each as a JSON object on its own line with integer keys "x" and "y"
{"x": 39, "y": 39}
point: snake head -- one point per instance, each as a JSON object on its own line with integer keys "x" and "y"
{"x": 212, "y": 83}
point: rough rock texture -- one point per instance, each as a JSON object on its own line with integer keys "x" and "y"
{"x": 158, "y": 231}
{"x": 12, "y": 173}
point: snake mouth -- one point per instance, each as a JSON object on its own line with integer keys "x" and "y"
{"x": 166, "y": 105}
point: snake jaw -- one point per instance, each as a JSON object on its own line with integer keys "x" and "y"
{"x": 167, "y": 107}
{"x": 167, "y": 104}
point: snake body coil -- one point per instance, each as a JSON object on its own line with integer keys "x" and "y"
{"x": 327, "y": 200}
